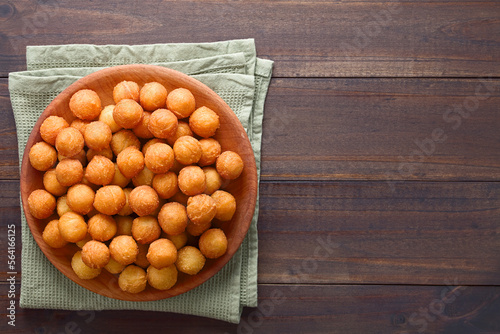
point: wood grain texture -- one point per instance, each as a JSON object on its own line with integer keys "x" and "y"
{"x": 298, "y": 309}
{"x": 398, "y": 115}
{"x": 9, "y": 162}
{"x": 305, "y": 39}
{"x": 363, "y": 232}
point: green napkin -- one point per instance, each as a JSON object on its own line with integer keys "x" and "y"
{"x": 233, "y": 71}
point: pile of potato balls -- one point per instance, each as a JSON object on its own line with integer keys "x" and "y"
{"x": 135, "y": 185}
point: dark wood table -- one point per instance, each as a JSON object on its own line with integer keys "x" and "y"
{"x": 380, "y": 193}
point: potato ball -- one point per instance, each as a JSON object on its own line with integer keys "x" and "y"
{"x": 126, "y": 90}
{"x": 126, "y": 210}
{"x": 123, "y": 139}
{"x": 179, "y": 240}
{"x": 42, "y": 156}
{"x": 51, "y": 127}
{"x": 213, "y": 180}
{"x": 95, "y": 254}
{"x": 128, "y": 113}
{"x": 105, "y": 152}
{"x": 144, "y": 178}
{"x": 190, "y": 260}
{"x": 201, "y": 209}
{"x": 229, "y": 165}
{"x": 183, "y": 129}
{"x": 130, "y": 161}
{"x": 132, "y": 279}
{"x": 197, "y": 229}
{"x": 106, "y": 116}
{"x": 102, "y": 227}
{"x": 114, "y": 267}
{"x": 143, "y": 200}
{"x": 173, "y": 218}
{"x": 80, "y": 199}
{"x": 62, "y": 206}
{"x": 85, "y": 104}
{"x": 142, "y": 259}
{"x": 51, "y": 235}
{"x": 153, "y": 96}
{"x": 141, "y": 129}
{"x": 191, "y": 180}
{"x": 100, "y": 170}
{"x": 72, "y": 227}
{"x": 41, "y": 204}
{"x": 97, "y": 135}
{"x": 181, "y": 102}
{"x": 145, "y": 229}
{"x": 80, "y": 156}
{"x": 187, "y": 150}
{"x": 211, "y": 150}
{"x": 165, "y": 184}
{"x": 123, "y": 249}
{"x": 124, "y": 225}
{"x": 69, "y": 142}
{"x": 159, "y": 158}
{"x": 52, "y": 185}
{"x": 150, "y": 143}
{"x": 162, "y": 123}
{"x": 119, "y": 179}
{"x": 82, "y": 242}
{"x": 225, "y": 203}
{"x": 162, "y": 253}
{"x": 81, "y": 269}
{"x": 162, "y": 279}
{"x": 213, "y": 243}
{"x": 69, "y": 172}
{"x": 109, "y": 200}
{"x": 80, "y": 125}
{"x": 204, "y": 122}
{"x": 180, "y": 197}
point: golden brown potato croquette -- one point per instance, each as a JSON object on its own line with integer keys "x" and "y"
{"x": 132, "y": 279}
{"x": 126, "y": 90}
{"x": 100, "y": 170}
{"x": 51, "y": 127}
{"x": 123, "y": 249}
{"x": 42, "y": 156}
{"x": 130, "y": 161}
{"x": 109, "y": 200}
{"x": 187, "y": 150}
{"x": 204, "y": 122}
{"x": 201, "y": 209}
{"x": 190, "y": 260}
{"x": 173, "y": 218}
{"x": 97, "y": 135}
{"x": 69, "y": 142}
{"x": 81, "y": 269}
{"x": 159, "y": 158}
{"x": 213, "y": 243}
{"x": 85, "y": 104}
{"x": 229, "y": 165}
{"x": 162, "y": 253}
{"x": 128, "y": 113}
{"x": 162, "y": 123}
{"x": 41, "y": 204}
{"x": 95, "y": 254}
{"x": 52, "y": 236}
{"x": 143, "y": 200}
{"x": 153, "y": 95}
{"x": 80, "y": 198}
{"x": 191, "y": 180}
{"x": 181, "y": 102}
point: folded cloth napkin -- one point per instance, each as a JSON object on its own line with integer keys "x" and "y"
{"x": 233, "y": 71}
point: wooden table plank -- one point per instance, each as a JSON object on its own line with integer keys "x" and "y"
{"x": 399, "y": 115}
{"x": 363, "y": 232}
{"x": 298, "y": 309}
{"x": 305, "y": 39}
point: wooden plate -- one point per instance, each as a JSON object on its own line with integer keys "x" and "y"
{"x": 231, "y": 136}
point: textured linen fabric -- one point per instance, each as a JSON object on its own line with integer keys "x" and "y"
{"x": 233, "y": 71}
